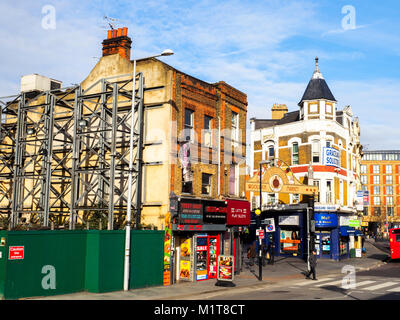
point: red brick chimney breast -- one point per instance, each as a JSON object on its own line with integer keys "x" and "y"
{"x": 117, "y": 42}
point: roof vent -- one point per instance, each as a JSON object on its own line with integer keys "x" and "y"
{"x": 36, "y": 82}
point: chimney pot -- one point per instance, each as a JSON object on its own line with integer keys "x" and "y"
{"x": 117, "y": 42}
{"x": 115, "y": 33}
{"x": 125, "y": 31}
{"x": 109, "y": 34}
{"x": 119, "y": 32}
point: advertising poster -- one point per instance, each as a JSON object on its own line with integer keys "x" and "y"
{"x": 201, "y": 259}
{"x": 167, "y": 250}
{"x": 185, "y": 259}
{"x": 290, "y": 241}
{"x": 185, "y": 270}
{"x": 225, "y": 268}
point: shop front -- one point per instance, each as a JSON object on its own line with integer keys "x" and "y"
{"x": 237, "y": 222}
{"x": 326, "y": 235}
{"x": 198, "y": 228}
{"x": 290, "y": 235}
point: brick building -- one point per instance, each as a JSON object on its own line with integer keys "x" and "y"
{"x": 380, "y": 178}
{"x": 320, "y": 144}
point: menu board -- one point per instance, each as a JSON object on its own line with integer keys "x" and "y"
{"x": 225, "y": 268}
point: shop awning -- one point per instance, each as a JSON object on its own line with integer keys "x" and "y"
{"x": 349, "y": 231}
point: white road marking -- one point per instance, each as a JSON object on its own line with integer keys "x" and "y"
{"x": 382, "y": 285}
{"x": 311, "y": 282}
{"x": 397, "y": 289}
{"x": 330, "y": 283}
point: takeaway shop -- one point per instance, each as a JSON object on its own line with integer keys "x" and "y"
{"x": 201, "y": 231}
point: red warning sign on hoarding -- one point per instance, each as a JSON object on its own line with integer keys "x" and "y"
{"x": 16, "y": 253}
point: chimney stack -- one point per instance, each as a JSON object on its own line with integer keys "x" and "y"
{"x": 117, "y": 42}
{"x": 278, "y": 111}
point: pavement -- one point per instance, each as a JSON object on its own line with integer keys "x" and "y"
{"x": 281, "y": 272}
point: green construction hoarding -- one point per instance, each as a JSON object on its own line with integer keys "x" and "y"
{"x": 53, "y": 262}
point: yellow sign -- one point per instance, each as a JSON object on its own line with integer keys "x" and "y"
{"x": 279, "y": 178}
{"x": 257, "y": 212}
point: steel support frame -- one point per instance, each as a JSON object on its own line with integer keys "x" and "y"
{"x": 67, "y": 154}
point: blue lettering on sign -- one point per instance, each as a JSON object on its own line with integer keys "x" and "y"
{"x": 331, "y": 157}
{"x": 325, "y": 220}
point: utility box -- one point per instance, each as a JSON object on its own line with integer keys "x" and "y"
{"x": 36, "y": 82}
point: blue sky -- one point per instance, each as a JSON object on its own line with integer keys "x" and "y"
{"x": 264, "y": 48}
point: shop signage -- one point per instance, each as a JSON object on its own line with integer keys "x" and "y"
{"x": 349, "y": 221}
{"x": 323, "y": 220}
{"x": 191, "y": 213}
{"x": 261, "y": 234}
{"x": 215, "y": 212}
{"x": 238, "y": 213}
{"x": 330, "y": 157}
{"x": 198, "y": 227}
{"x": 225, "y": 268}
{"x": 289, "y": 220}
{"x": 16, "y": 253}
{"x": 279, "y": 179}
{"x": 366, "y": 198}
{"x": 325, "y": 208}
{"x": 359, "y": 200}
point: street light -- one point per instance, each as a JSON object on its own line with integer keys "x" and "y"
{"x": 167, "y": 52}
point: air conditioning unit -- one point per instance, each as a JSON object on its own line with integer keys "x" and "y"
{"x": 36, "y": 82}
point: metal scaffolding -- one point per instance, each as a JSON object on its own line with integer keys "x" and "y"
{"x": 65, "y": 154}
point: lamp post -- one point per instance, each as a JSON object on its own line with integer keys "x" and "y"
{"x": 166, "y": 52}
{"x": 258, "y": 217}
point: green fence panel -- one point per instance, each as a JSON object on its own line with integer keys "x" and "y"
{"x": 147, "y": 256}
{"x": 67, "y": 261}
{"x": 3, "y": 261}
{"x": 53, "y": 263}
{"x": 105, "y": 260}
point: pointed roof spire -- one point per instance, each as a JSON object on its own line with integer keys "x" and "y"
{"x": 317, "y": 74}
{"x": 317, "y": 87}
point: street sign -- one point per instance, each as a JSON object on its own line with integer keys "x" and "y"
{"x": 270, "y": 225}
{"x": 261, "y": 234}
{"x": 16, "y": 253}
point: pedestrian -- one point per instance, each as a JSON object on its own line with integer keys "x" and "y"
{"x": 252, "y": 253}
{"x": 364, "y": 250}
{"x": 313, "y": 264}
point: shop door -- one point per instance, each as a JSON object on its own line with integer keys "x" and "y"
{"x": 325, "y": 245}
{"x": 202, "y": 258}
{"x": 213, "y": 253}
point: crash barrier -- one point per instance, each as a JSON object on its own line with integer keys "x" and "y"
{"x": 53, "y": 262}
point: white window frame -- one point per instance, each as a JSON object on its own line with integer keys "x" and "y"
{"x": 190, "y": 126}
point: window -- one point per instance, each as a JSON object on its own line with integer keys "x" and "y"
{"x": 377, "y": 211}
{"x": 316, "y": 183}
{"x": 271, "y": 152}
{"x": 207, "y": 131}
{"x": 389, "y": 168}
{"x": 389, "y": 201}
{"x": 364, "y": 179}
{"x": 313, "y": 108}
{"x": 315, "y": 151}
{"x": 376, "y": 179}
{"x": 295, "y": 153}
{"x": 377, "y": 190}
{"x": 389, "y": 179}
{"x": 389, "y": 211}
{"x": 375, "y": 169}
{"x": 365, "y": 211}
{"x": 189, "y": 132}
{"x": 206, "y": 184}
{"x": 235, "y": 126}
{"x": 389, "y": 190}
{"x": 363, "y": 168}
{"x": 377, "y": 200}
{"x": 328, "y": 143}
{"x": 328, "y": 108}
{"x": 329, "y": 195}
{"x": 271, "y": 198}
